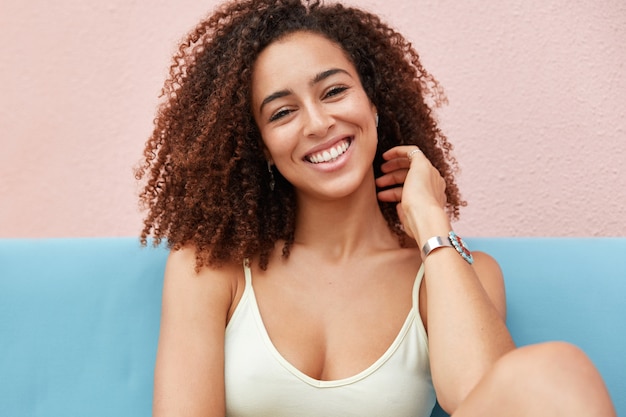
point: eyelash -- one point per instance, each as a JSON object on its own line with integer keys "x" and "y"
{"x": 335, "y": 90}
{"x": 279, "y": 114}
{"x": 330, "y": 93}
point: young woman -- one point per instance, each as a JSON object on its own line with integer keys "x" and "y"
{"x": 306, "y": 191}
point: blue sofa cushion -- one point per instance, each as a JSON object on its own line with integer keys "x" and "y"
{"x": 79, "y": 318}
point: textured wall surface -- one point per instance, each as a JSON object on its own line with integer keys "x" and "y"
{"x": 537, "y": 93}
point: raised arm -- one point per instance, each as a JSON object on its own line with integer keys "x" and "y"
{"x": 465, "y": 303}
{"x": 189, "y": 373}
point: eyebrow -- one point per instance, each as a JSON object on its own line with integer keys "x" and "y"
{"x": 317, "y": 79}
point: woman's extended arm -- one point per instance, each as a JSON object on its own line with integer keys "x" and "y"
{"x": 189, "y": 373}
{"x": 465, "y": 313}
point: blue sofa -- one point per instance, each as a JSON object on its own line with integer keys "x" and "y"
{"x": 79, "y": 318}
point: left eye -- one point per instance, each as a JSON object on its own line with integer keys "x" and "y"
{"x": 335, "y": 91}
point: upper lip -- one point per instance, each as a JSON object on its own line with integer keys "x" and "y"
{"x": 328, "y": 145}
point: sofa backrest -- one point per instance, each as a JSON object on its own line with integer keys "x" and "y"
{"x": 79, "y": 318}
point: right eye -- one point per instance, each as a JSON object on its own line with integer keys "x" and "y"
{"x": 279, "y": 114}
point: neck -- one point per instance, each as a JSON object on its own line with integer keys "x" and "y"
{"x": 340, "y": 229}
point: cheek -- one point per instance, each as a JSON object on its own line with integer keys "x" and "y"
{"x": 275, "y": 146}
{"x": 360, "y": 110}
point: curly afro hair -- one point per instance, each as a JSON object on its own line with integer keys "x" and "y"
{"x": 206, "y": 181}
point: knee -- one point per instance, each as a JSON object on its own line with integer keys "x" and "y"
{"x": 544, "y": 360}
{"x": 554, "y": 378}
{"x": 545, "y": 357}
{"x": 557, "y": 371}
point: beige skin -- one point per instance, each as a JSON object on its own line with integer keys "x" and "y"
{"x": 343, "y": 248}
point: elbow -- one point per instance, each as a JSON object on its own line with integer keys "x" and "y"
{"x": 449, "y": 402}
{"x": 452, "y": 392}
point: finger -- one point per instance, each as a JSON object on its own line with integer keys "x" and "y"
{"x": 395, "y": 164}
{"x": 393, "y": 178}
{"x": 413, "y": 154}
{"x": 391, "y": 195}
{"x": 399, "y": 152}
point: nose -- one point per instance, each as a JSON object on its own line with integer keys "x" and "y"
{"x": 317, "y": 121}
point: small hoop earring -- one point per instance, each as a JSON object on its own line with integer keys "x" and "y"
{"x": 376, "y": 119}
{"x": 272, "y": 181}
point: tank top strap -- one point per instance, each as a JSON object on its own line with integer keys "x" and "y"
{"x": 247, "y": 273}
{"x": 416, "y": 288}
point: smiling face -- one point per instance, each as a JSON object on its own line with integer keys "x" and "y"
{"x": 317, "y": 123}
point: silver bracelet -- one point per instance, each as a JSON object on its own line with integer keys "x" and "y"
{"x": 453, "y": 241}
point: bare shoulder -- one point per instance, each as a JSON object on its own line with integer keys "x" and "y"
{"x": 486, "y": 264}
{"x": 492, "y": 280}
{"x": 196, "y": 300}
{"x": 184, "y": 283}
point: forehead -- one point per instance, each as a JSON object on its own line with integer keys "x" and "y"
{"x": 298, "y": 56}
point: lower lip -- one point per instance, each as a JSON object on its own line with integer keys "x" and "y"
{"x": 336, "y": 163}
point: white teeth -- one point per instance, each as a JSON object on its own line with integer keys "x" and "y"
{"x": 331, "y": 154}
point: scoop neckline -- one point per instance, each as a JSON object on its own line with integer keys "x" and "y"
{"x": 342, "y": 381}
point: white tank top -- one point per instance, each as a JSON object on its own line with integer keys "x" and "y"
{"x": 261, "y": 383}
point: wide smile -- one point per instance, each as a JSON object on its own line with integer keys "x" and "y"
{"x": 330, "y": 154}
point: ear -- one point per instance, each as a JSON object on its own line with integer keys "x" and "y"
{"x": 375, "y": 114}
{"x": 267, "y": 156}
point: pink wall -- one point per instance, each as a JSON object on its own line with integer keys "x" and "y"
{"x": 537, "y": 94}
